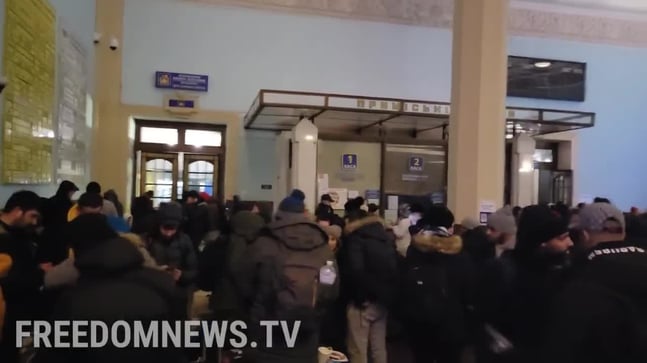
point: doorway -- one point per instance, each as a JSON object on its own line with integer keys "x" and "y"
{"x": 176, "y": 157}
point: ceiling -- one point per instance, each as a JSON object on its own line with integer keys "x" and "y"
{"x": 618, "y": 5}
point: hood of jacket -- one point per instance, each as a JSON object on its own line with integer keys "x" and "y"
{"x": 371, "y": 226}
{"x": 247, "y": 224}
{"x": 297, "y": 231}
{"x": 112, "y": 257}
{"x": 432, "y": 243}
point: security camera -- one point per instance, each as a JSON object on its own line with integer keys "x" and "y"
{"x": 3, "y": 83}
{"x": 114, "y": 43}
{"x": 97, "y": 38}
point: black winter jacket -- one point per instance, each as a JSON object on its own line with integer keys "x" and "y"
{"x": 370, "y": 263}
{"x": 602, "y": 315}
{"x": 113, "y": 286}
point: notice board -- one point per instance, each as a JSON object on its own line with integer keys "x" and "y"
{"x": 28, "y": 107}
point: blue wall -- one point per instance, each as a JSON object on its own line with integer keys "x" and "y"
{"x": 244, "y": 50}
{"x": 78, "y": 17}
{"x": 611, "y": 158}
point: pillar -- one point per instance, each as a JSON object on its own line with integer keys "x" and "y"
{"x": 304, "y": 161}
{"x": 283, "y": 178}
{"x": 111, "y": 150}
{"x": 477, "y": 122}
{"x": 523, "y": 171}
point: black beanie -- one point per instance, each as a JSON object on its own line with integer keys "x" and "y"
{"x": 294, "y": 203}
{"x": 538, "y": 224}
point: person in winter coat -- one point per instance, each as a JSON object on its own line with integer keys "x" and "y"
{"x": 196, "y": 224}
{"x": 23, "y": 279}
{"x": 371, "y": 271}
{"x": 281, "y": 279}
{"x": 601, "y": 316}
{"x": 90, "y": 228}
{"x": 171, "y": 248}
{"x": 143, "y": 215}
{"x": 438, "y": 289}
{"x": 539, "y": 273}
{"x": 53, "y": 247}
{"x": 114, "y": 286}
{"x": 245, "y": 228}
{"x": 324, "y": 209}
{"x": 111, "y": 195}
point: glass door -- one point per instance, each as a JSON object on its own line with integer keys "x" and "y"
{"x": 200, "y": 173}
{"x": 159, "y": 174}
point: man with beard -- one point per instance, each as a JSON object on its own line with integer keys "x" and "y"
{"x": 21, "y": 286}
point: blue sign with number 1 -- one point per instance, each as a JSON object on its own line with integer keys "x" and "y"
{"x": 416, "y": 163}
{"x": 349, "y": 161}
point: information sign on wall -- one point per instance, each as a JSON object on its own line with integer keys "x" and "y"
{"x": 182, "y": 81}
{"x": 416, "y": 163}
{"x": 349, "y": 161}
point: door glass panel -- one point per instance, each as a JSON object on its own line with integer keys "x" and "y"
{"x": 158, "y": 176}
{"x": 200, "y": 176}
{"x": 158, "y": 135}
{"x": 203, "y": 138}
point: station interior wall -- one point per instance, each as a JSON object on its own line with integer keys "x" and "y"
{"x": 244, "y": 50}
{"x": 77, "y": 17}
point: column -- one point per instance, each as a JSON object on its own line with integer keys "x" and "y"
{"x": 523, "y": 189}
{"x": 477, "y": 122}
{"x": 283, "y": 177}
{"x": 304, "y": 161}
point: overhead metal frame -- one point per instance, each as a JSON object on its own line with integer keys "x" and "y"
{"x": 412, "y": 115}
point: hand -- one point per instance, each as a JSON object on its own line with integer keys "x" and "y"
{"x": 46, "y": 266}
{"x": 176, "y": 274}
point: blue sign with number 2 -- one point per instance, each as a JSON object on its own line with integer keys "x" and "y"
{"x": 416, "y": 163}
{"x": 349, "y": 161}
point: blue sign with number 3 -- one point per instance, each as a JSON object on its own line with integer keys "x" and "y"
{"x": 416, "y": 163}
{"x": 349, "y": 161}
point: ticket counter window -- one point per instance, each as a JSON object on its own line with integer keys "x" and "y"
{"x": 350, "y": 169}
{"x": 415, "y": 174}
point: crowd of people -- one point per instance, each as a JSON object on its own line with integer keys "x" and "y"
{"x": 535, "y": 284}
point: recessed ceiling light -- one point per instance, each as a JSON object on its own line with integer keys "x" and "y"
{"x": 508, "y": 136}
{"x": 543, "y": 64}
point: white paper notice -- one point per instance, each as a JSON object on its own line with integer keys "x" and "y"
{"x": 391, "y": 216}
{"x": 322, "y": 182}
{"x": 352, "y": 194}
{"x": 487, "y": 206}
{"x": 393, "y": 202}
{"x": 339, "y": 197}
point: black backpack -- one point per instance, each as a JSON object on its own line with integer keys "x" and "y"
{"x": 212, "y": 263}
{"x": 426, "y": 294}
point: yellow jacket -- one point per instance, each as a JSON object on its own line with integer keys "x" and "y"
{"x": 5, "y": 266}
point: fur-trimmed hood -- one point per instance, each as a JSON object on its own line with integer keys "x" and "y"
{"x": 430, "y": 243}
{"x": 354, "y": 226}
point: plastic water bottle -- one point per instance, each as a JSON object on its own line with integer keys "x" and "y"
{"x": 328, "y": 273}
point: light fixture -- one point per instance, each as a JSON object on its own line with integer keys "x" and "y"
{"x": 543, "y": 64}
{"x": 526, "y": 167}
{"x": 508, "y": 136}
{"x": 309, "y": 137}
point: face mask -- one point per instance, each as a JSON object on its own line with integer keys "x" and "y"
{"x": 414, "y": 218}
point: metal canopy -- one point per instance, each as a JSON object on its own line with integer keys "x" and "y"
{"x": 281, "y": 110}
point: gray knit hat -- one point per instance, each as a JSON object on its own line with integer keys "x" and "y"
{"x": 503, "y": 221}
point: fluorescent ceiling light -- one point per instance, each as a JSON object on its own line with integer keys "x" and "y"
{"x": 543, "y": 64}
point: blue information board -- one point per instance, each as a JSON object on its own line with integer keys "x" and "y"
{"x": 349, "y": 161}
{"x": 416, "y": 163}
{"x": 182, "y": 81}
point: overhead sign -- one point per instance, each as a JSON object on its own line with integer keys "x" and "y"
{"x": 182, "y": 81}
{"x": 181, "y": 104}
{"x": 349, "y": 161}
{"x": 416, "y": 163}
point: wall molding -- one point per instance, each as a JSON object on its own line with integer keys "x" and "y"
{"x": 527, "y": 19}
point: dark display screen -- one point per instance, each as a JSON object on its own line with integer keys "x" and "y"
{"x": 547, "y": 79}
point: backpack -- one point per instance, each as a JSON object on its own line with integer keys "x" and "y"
{"x": 426, "y": 294}
{"x": 298, "y": 293}
{"x": 212, "y": 262}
